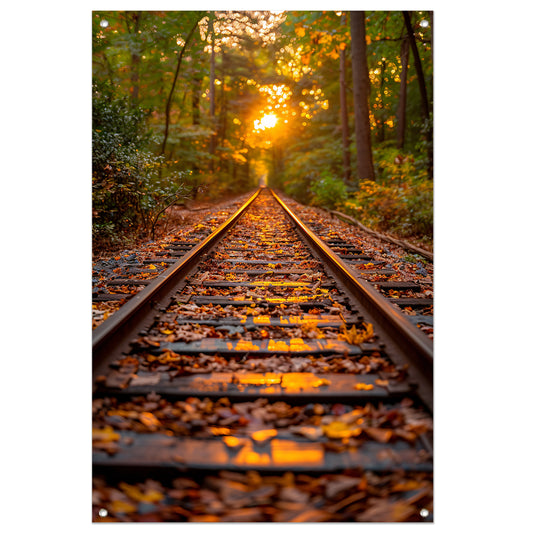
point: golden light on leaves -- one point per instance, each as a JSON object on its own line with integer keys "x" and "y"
{"x": 357, "y": 336}
{"x": 230, "y": 26}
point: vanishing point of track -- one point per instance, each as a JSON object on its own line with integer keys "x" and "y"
{"x": 258, "y": 354}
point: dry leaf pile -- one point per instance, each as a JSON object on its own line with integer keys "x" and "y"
{"x": 352, "y": 495}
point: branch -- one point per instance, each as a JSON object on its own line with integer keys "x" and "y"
{"x": 169, "y": 101}
{"x": 155, "y": 219}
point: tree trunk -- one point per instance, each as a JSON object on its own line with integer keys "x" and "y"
{"x": 196, "y": 92}
{"x": 418, "y": 64}
{"x": 344, "y": 116}
{"x": 135, "y": 61}
{"x": 212, "y": 139}
{"x": 361, "y": 89}
{"x": 423, "y": 92}
{"x": 176, "y": 74}
{"x": 380, "y": 114}
{"x": 223, "y": 111}
{"x": 400, "y": 132}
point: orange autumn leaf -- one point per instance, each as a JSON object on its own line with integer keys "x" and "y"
{"x": 363, "y": 386}
{"x": 149, "y": 420}
{"x": 379, "y": 434}
{"x": 105, "y": 434}
{"x": 119, "y": 506}
{"x": 340, "y": 430}
{"x": 150, "y": 496}
{"x": 306, "y": 59}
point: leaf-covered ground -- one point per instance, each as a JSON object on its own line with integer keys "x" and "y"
{"x": 195, "y": 225}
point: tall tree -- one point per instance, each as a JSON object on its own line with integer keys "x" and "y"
{"x": 365, "y": 165}
{"x": 135, "y": 58}
{"x": 402, "y": 99}
{"x": 418, "y": 64}
{"x": 176, "y": 74}
{"x": 422, "y": 86}
{"x": 212, "y": 139}
{"x": 344, "y": 114}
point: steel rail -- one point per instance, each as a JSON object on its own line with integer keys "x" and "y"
{"x": 417, "y": 346}
{"x": 110, "y": 339}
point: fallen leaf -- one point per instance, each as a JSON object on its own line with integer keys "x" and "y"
{"x": 133, "y": 492}
{"x": 386, "y": 511}
{"x": 149, "y": 420}
{"x": 312, "y": 515}
{"x": 357, "y": 336}
{"x": 363, "y": 386}
{"x": 379, "y": 434}
{"x": 341, "y": 484}
{"x": 340, "y": 430}
{"x": 293, "y": 494}
{"x": 119, "y": 506}
{"x": 105, "y": 434}
{"x": 310, "y": 432}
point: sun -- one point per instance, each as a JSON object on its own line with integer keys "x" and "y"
{"x": 267, "y": 121}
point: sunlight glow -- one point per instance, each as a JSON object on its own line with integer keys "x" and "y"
{"x": 267, "y": 121}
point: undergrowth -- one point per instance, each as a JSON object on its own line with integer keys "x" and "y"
{"x": 399, "y": 201}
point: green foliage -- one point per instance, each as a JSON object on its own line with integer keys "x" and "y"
{"x": 313, "y": 158}
{"x": 136, "y": 53}
{"x": 329, "y": 192}
{"x": 399, "y": 201}
{"x": 129, "y": 187}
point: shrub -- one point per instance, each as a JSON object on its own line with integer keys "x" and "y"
{"x": 399, "y": 201}
{"x": 130, "y": 191}
{"x": 329, "y": 192}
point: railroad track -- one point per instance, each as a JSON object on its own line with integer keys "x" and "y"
{"x": 260, "y": 379}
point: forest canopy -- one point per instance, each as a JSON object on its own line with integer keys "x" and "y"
{"x": 333, "y": 108}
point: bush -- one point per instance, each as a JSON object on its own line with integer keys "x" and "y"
{"x": 329, "y": 192}
{"x": 129, "y": 188}
{"x": 307, "y": 164}
{"x": 399, "y": 201}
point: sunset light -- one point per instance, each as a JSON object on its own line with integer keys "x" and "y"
{"x": 262, "y": 266}
{"x": 268, "y": 121}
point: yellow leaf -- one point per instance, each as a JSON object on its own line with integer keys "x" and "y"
{"x": 150, "y": 496}
{"x": 105, "y": 435}
{"x": 363, "y": 386}
{"x": 368, "y": 39}
{"x": 340, "y": 430}
{"x": 119, "y": 506}
{"x": 300, "y": 31}
{"x": 355, "y": 336}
